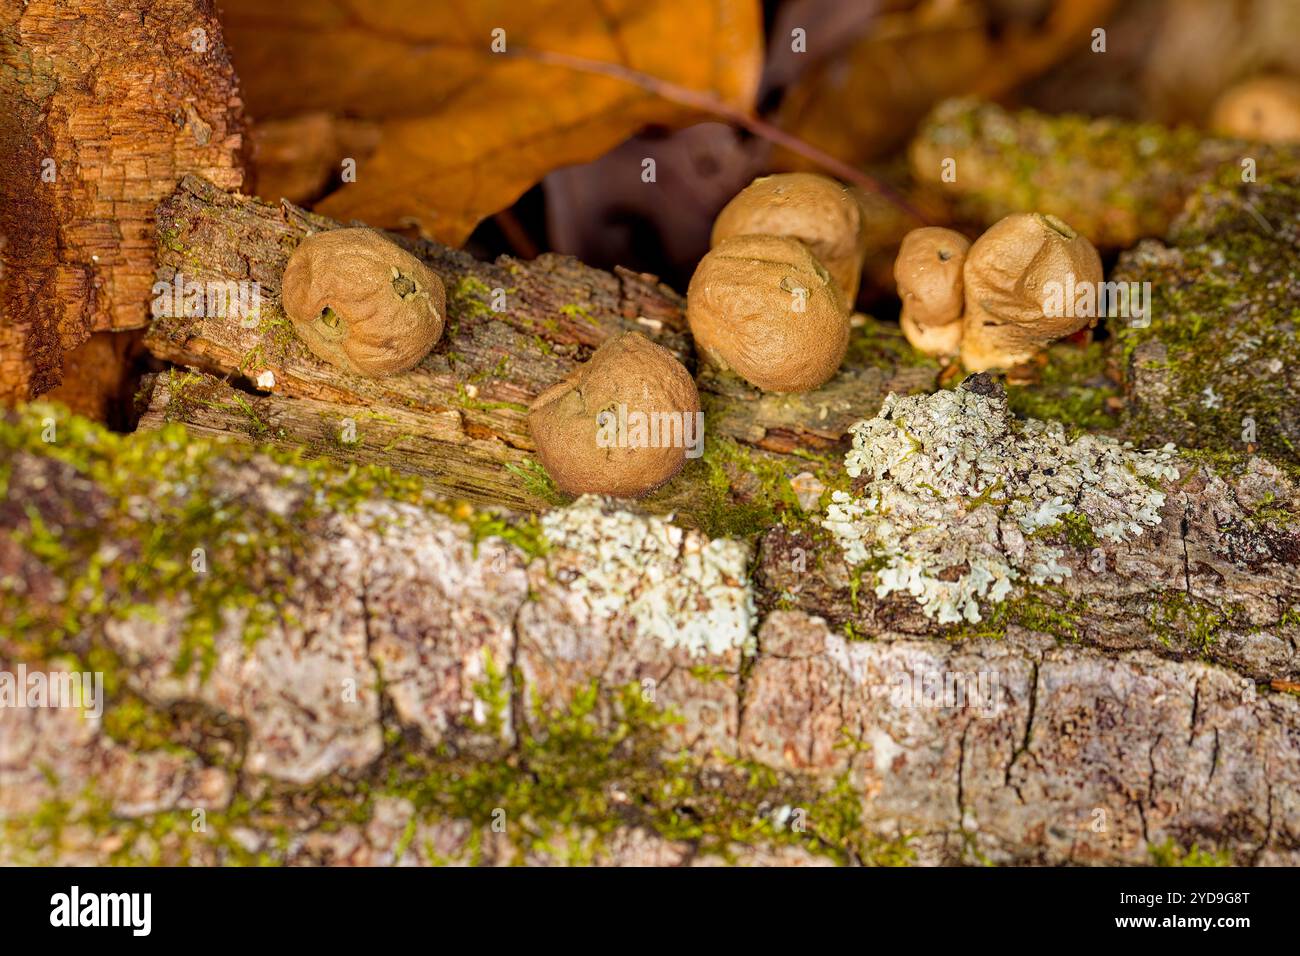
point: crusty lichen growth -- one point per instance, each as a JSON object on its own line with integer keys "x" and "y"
{"x": 680, "y": 587}
{"x": 954, "y": 490}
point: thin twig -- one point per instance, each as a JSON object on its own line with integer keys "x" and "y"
{"x": 516, "y": 234}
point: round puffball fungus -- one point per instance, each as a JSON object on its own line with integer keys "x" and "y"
{"x": 765, "y": 307}
{"x": 928, "y": 273}
{"x": 362, "y": 303}
{"x": 602, "y": 430}
{"x": 819, "y": 212}
{"x": 1265, "y": 109}
{"x": 1021, "y": 281}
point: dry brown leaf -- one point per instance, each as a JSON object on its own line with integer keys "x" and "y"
{"x": 863, "y": 104}
{"x": 465, "y": 131}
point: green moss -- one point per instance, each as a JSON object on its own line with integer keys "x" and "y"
{"x": 1047, "y": 610}
{"x": 571, "y": 774}
{"x": 1268, "y": 514}
{"x": 171, "y": 239}
{"x": 1221, "y": 319}
{"x": 469, "y": 296}
{"x": 525, "y": 533}
{"x": 173, "y": 838}
{"x": 579, "y": 311}
{"x": 744, "y": 491}
{"x": 171, "y": 533}
{"x": 465, "y": 400}
{"x": 277, "y": 337}
{"x": 1175, "y": 615}
{"x": 534, "y": 479}
{"x": 1170, "y": 853}
{"x": 577, "y": 773}
{"x": 141, "y": 726}
{"x": 1113, "y": 180}
{"x": 1074, "y": 389}
{"x": 1290, "y": 617}
{"x": 710, "y": 673}
{"x": 500, "y": 370}
{"x": 1073, "y": 528}
{"x": 877, "y": 344}
{"x": 188, "y": 391}
{"x": 495, "y": 695}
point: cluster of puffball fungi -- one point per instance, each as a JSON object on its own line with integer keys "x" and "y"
{"x": 987, "y": 301}
{"x": 770, "y": 302}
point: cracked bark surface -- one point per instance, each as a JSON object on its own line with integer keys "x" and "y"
{"x": 1070, "y": 753}
{"x": 115, "y": 101}
{"x": 1144, "y": 701}
{"x": 1215, "y": 579}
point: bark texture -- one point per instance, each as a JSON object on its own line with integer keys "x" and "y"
{"x": 1115, "y": 181}
{"x": 107, "y": 105}
{"x": 335, "y": 663}
{"x": 483, "y": 630}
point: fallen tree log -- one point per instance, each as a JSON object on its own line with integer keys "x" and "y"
{"x": 1115, "y": 181}
{"x": 514, "y": 328}
{"x": 107, "y": 105}
{"x": 1056, "y": 649}
{"x": 332, "y": 664}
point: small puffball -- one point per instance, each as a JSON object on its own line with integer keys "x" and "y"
{"x": 820, "y": 212}
{"x": 1010, "y": 275}
{"x": 585, "y": 427}
{"x": 1265, "y": 109}
{"x": 928, "y": 273}
{"x": 765, "y": 307}
{"x": 363, "y": 303}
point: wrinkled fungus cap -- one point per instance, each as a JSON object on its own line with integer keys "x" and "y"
{"x": 361, "y": 302}
{"x": 765, "y": 307}
{"x": 819, "y": 212}
{"x": 1011, "y": 273}
{"x": 928, "y": 273}
{"x": 631, "y": 379}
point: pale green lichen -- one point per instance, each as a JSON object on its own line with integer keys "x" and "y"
{"x": 677, "y": 585}
{"x": 957, "y": 494}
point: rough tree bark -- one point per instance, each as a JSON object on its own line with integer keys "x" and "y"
{"x": 106, "y": 105}
{"x": 1142, "y": 705}
{"x": 410, "y": 659}
{"x": 1116, "y": 181}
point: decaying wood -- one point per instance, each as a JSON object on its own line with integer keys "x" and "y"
{"x": 1113, "y": 180}
{"x": 1141, "y": 704}
{"x": 106, "y": 105}
{"x": 460, "y": 417}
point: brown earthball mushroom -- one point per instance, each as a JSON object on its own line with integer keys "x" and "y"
{"x": 621, "y": 424}
{"x": 928, "y": 273}
{"x": 1266, "y": 108}
{"x": 363, "y": 303}
{"x": 1010, "y": 274}
{"x": 765, "y": 307}
{"x": 819, "y": 212}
